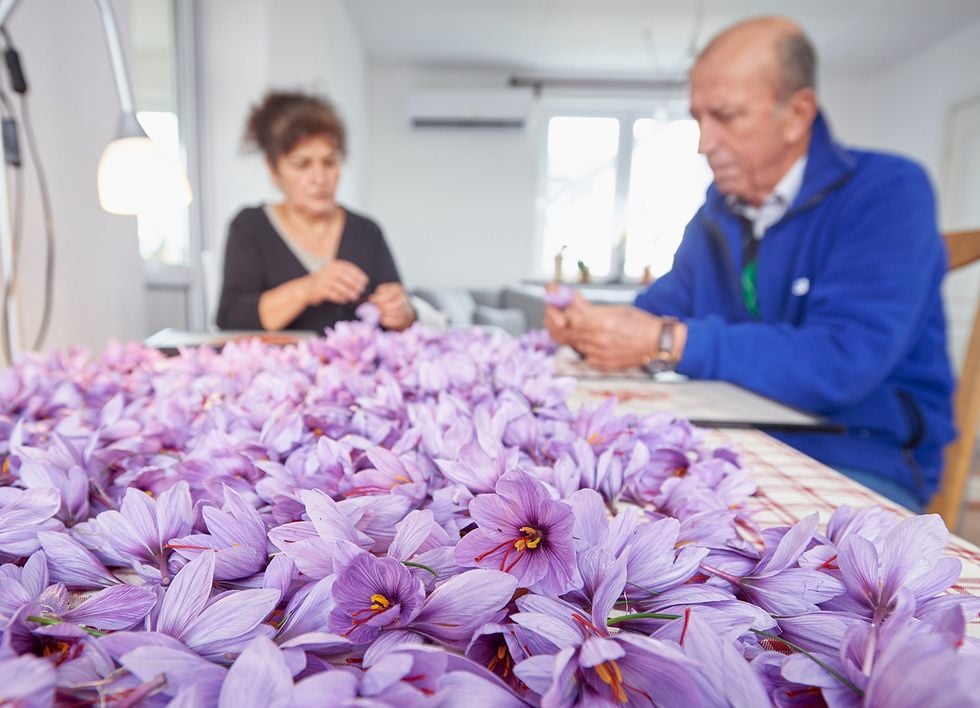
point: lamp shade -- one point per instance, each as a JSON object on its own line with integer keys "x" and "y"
{"x": 135, "y": 174}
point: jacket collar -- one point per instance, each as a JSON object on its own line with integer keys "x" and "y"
{"x": 828, "y": 165}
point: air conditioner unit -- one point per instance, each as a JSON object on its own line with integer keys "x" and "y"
{"x": 470, "y": 108}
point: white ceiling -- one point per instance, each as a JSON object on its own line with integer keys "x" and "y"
{"x": 637, "y": 38}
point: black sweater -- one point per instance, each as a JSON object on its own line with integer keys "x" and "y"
{"x": 257, "y": 260}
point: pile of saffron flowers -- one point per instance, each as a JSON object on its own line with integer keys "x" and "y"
{"x": 418, "y": 518}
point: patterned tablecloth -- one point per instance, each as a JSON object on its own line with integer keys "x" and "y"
{"x": 793, "y": 485}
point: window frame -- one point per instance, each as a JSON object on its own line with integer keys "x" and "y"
{"x": 627, "y": 110}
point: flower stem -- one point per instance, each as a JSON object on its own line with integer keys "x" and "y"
{"x": 612, "y": 621}
{"x": 796, "y": 647}
{"x": 423, "y": 567}
{"x": 54, "y": 620}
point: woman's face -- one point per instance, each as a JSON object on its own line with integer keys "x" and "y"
{"x": 308, "y": 175}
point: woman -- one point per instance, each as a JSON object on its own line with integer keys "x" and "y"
{"x": 306, "y": 262}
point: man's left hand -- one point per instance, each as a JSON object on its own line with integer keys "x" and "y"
{"x": 616, "y": 338}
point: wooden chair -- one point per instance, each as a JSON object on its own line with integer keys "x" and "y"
{"x": 963, "y": 248}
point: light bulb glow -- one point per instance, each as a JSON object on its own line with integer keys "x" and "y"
{"x": 135, "y": 175}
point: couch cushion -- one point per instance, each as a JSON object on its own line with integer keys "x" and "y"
{"x": 510, "y": 320}
{"x": 455, "y": 303}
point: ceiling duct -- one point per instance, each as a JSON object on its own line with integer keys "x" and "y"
{"x": 506, "y": 108}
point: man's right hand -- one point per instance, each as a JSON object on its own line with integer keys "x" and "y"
{"x": 558, "y": 322}
{"x": 337, "y": 281}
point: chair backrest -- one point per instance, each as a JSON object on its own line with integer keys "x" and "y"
{"x": 963, "y": 248}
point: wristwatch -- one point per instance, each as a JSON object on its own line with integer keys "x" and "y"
{"x": 664, "y": 359}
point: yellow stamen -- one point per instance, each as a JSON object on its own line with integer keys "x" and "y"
{"x": 610, "y": 674}
{"x": 532, "y": 539}
{"x": 379, "y": 602}
{"x": 318, "y": 432}
{"x": 5, "y": 470}
{"x": 502, "y": 651}
{"x": 595, "y": 439}
{"x": 402, "y": 478}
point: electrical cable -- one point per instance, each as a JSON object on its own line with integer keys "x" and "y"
{"x": 19, "y": 84}
{"x": 49, "y": 232}
{"x": 10, "y": 152}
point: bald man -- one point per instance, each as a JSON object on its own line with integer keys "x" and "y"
{"x": 811, "y": 274}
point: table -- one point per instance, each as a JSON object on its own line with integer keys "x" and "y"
{"x": 170, "y": 340}
{"x": 791, "y": 485}
{"x": 716, "y": 404}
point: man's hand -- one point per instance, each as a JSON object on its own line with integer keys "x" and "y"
{"x": 337, "y": 281}
{"x": 618, "y": 337}
{"x": 557, "y": 322}
{"x": 392, "y": 302}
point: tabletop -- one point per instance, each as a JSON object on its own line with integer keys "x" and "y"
{"x": 793, "y": 485}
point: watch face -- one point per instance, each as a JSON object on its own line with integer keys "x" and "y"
{"x": 662, "y": 362}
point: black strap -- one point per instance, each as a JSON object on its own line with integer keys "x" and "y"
{"x": 750, "y": 244}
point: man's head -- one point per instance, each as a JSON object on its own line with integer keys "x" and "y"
{"x": 753, "y": 95}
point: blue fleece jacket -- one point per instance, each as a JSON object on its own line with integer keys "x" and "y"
{"x": 851, "y": 322}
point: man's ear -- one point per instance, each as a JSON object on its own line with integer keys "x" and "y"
{"x": 800, "y": 112}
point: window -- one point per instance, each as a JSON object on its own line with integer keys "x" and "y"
{"x": 163, "y": 232}
{"x": 619, "y": 189}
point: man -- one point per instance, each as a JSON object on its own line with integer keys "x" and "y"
{"x": 810, "y": 275}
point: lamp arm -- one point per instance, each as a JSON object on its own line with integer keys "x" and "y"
{"x": 123, "y": 87}
{"x": 6, "y": 7}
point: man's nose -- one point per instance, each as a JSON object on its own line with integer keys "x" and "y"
{"x": 707, "y": 138}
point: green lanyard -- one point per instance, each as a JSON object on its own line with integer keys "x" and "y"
{"x": 750, "y": 277}
{"x": 750, "y": 293}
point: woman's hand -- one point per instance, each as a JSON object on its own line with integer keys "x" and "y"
{"x": 392, "y": 302}
{"x": 337, "y": 281}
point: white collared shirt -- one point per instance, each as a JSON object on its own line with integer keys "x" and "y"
{"x": 776, "y": 204}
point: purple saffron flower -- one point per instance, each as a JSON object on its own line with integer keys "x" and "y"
{"x": 368, "y": 313}
{"x": 237, "y": 535}
{"x": 215, "y": 627}
{"x": 26, "y": 682}
{"x": 523, "y": 531}
{"x": 776, "y": 585}
{"x": 310, "y": 544}
{"x": 903, "y": 663}
{"x": 21, "y": 586}
{"x": 560, "y": 296}
{"x": 72, "y": 564}
{"x": 70, "y": 479}
{"x": 908, "y": 557}
{"x": 372, "y": 594}
{"x": 137, "y": 534}
{"x": 725, "y": 676}
{"x": 453, "y": 612}
{"x": 306, "y": 616}
{"x": 22, "y": 515}
{"x": 186, "y": 675}
{"x": 595, "y": 670}
{"x": 259, "y": 677}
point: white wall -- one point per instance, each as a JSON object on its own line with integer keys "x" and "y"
{"x": 906, "y": 108}
{"x": 98, "y": 282}
{"x": 457, "y": 205}
{"x": 250, "y": 46}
